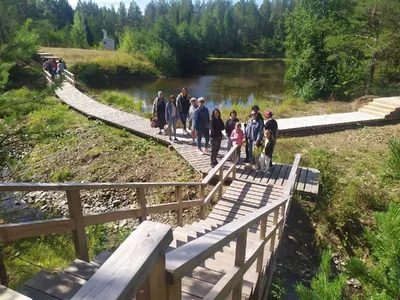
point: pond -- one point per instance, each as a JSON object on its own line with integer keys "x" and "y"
{"x": 223, "y": 83}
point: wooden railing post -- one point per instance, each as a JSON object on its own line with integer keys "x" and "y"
{"x": 263, "y": 232}
{"x": 235, "y": 158}
{"x": 202, "y": 197}
{"x": 140, "y": 193}
{"x": 178, "y": 195}
{"x": 240, "y": 256}
{"x": 78, "y": 235}
{"x": 283, "y": 215}
{"x": 221, "y": 178}
{"x": 273, "y": 238}
{"x": 175, "y": 290}
{"x": 155, "y": 286}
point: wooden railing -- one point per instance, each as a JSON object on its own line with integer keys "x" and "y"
{"x": 138, "y": 267}
{"x": 77, "y": 221}
{"x": 186, "y": 258}
{"x": 67, "y": 75}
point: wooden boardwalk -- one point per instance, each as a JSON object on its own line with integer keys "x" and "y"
{"x": 141, "y": 126}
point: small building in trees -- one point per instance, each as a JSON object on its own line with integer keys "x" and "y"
{"x": 108, "y": 44}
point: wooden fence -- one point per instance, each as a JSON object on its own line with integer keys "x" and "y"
{"x": 68, "y": 76}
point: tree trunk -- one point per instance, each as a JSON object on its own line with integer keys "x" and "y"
{"x": 3, "y": 271}
{"x": 371, "y": 73}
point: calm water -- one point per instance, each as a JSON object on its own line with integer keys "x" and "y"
{"x": 223, "y": 83}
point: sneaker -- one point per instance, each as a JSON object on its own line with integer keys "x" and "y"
{"x": 200, "y": 151}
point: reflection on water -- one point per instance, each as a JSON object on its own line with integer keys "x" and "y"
{"x": 223, "y": 83}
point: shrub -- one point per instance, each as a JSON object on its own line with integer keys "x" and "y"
{"x": 381, "y": 279}
{"x": 323, "y": 286}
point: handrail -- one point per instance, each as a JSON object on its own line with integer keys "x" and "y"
{"x": 185, "y": 258}
{"x": 22, "y": 186}
{"x": 130, "y": 265}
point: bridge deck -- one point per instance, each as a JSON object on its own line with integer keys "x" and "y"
{"x": 307, "y": 181}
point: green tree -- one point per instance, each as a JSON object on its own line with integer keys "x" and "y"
{"x": 381, "y": 278}
{"x": 323, "y": 287}
{"x": 134, "y": 18}
{"x": 21, "y": 48}
{"x": 78, "y": 32}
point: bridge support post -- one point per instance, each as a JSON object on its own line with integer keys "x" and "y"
{"x": 140, "y": 193}
{"x": 78, "y": 235}
{"x": 240, "y": 257}
{"x": 178, "y": 195}
{"x": 202, "y": 198}
{"x": 263, "y": 232}
{"x": 221, "y": 178}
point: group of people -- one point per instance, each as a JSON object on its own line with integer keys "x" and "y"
{"x": 54, "y": 67}
{"x": 259, "y": 136}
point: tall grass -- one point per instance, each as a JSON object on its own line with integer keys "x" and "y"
{"x": 394, "y": 157}
{"x": 120, "y": 101}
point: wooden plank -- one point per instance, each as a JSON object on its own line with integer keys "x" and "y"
{"x": 8, "y": 294}
{"x": 14, "y": 231}
{"x": 240, "y": 257}
{"x": 81, "y": 269}
{"x": 315, "y": 187}
{"x": 178, "y": 193}
{"x": 101, "y": 258}
{"x": 61, "y": 285}
{"x": 309, "y": 181}
{"x": 34, "y": 294}
{"x": 158, "y": 281}
{"x": 111, "y": 216}
{"x": 301, "y": 183}
{"x": 202, "y": 248}
{"x": 131, "y": 263}
{"x": 282, "y": 175}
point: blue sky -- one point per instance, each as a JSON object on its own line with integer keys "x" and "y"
{"x": 141, "y": 3}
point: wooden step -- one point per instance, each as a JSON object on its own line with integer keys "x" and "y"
{"x": 377, "y": 108}
{"x": 383, "y": 105}
{"x": 371, "y": 111}
{"x": 393, "y": 101}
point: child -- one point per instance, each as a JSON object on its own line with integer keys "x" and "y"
{"x": 230, "y": 126}
{"x": 193, "y": 107}
{"x": 268, "y": 149}
{"x": 237, "y": 138}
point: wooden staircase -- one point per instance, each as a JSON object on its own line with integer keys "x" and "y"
{"x": 388, "y": 108}
{"x": 228, "y": 254}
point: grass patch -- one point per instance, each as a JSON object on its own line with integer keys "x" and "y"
{"x": 354, "y": 183}
{"x": 96, "y": 67}
{"x": 120, "y": 101}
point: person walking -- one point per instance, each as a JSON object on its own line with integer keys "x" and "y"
{"x": 260, "y": 120}
{"x": 183, "y": 105}
{"x": 237, "y": 138}
{"x": 201, "y": 124}
{"x": 230, "y": 126}
{"x": 159, "y": 110}
{"x": 60, "y": 67}
{"x": 193, "y": 107}
{"x": 171, "y": 116}
{"x": 271, "y": 125}
{"x": 254, "y": 135}
{"x": 217, "y": 125}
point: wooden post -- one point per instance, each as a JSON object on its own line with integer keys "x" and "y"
{"x": 263, "y": 232}
{"x": 202, "y": 198}
{"x": 272, "y": 245}
{"x": 155, "y": 286}
{"x": 140, "y": 193}
{"x": 175, "y": 290}
{"x": 78, "y": 235}
{"x": 221, "y": 177}
{"x": 240, "y": 257}
{"x": 178, "y": 195}
{"x": 235, "y": 158}
{"x": 283, "y": 214}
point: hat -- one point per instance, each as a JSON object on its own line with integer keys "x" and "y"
{"x": 268, "y": 114}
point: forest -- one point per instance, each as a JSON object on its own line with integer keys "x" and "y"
{"x": 334, "y": 49}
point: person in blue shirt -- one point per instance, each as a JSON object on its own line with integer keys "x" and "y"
{"x": 201, "y": 124}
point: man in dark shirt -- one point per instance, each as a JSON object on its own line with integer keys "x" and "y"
{"x": 272, "y": 125}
